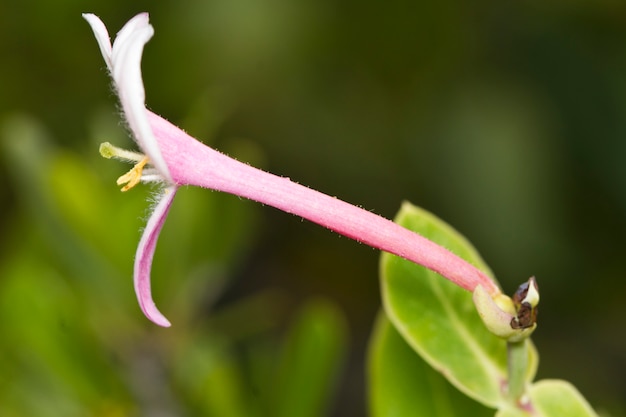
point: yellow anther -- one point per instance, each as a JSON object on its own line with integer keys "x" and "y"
{"x": 132, "y": 177}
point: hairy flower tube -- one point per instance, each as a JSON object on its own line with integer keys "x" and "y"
{"x": 174, "y": 158}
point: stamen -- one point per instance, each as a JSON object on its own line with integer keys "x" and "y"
{"x": 132, "y": 177}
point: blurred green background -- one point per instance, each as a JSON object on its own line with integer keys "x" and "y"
{"x": 505, "y": 118}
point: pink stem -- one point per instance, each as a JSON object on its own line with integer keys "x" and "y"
{"x": 194, "y": 163}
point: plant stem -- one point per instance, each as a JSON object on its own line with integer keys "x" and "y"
{"x": 517, "y": 367}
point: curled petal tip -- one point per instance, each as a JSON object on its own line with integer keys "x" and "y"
{"x": 102, "y": 36}
{"x": 156, "y": 317}
{"x": 144, "y": 296}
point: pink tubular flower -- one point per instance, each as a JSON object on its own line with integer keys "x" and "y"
{"x": 175, "y": 158}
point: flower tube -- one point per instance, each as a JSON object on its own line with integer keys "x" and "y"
{"x": 174, "y": 158}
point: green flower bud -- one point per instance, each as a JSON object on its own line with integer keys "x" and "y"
{"x": 511, "y": 319}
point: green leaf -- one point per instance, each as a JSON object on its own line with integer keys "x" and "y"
{"x": 48, "y": 347}
{"x": 210, "y": 378}
{"x": 553, "y": 398}
{"x": 313, "y": 352}
{"x": 402, "y": 384}
{"x": 438, "y": 318}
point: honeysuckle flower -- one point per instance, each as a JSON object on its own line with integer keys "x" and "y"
{"x": 175, "y": 158}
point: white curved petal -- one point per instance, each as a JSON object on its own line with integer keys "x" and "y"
{"x": 102, "y": 36}
{"x": 124, "y": 62}
{"x": 145, "y": 253}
